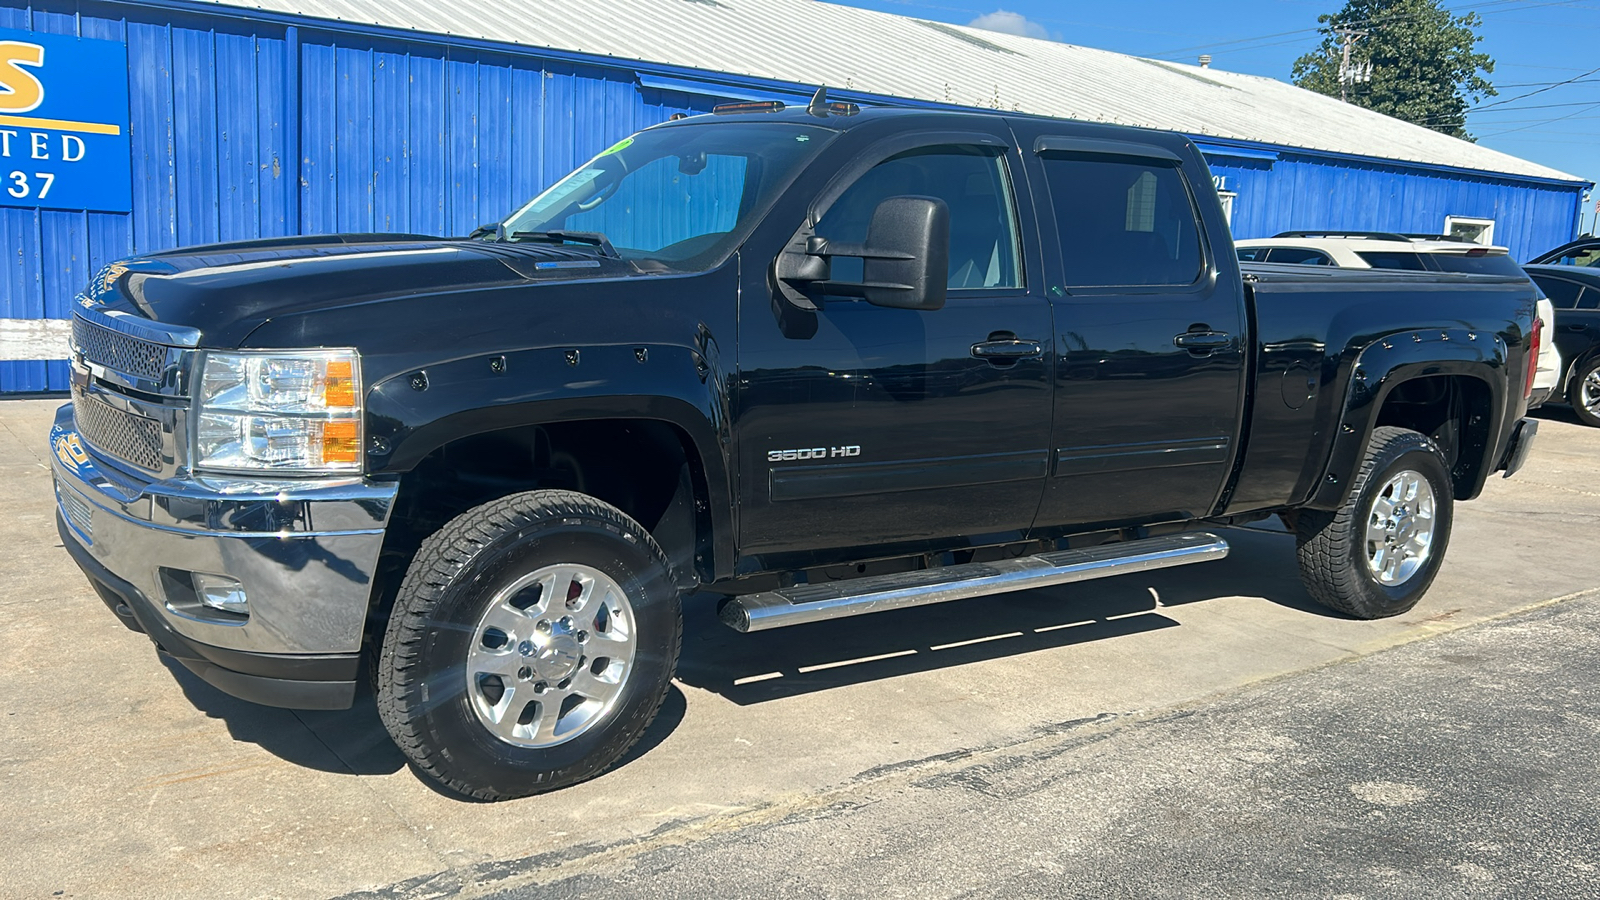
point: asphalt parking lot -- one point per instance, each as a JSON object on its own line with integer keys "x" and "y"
{"x": 1203, "y": 722}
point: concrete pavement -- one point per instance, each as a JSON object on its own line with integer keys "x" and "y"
{"x": 1457, "y": 767}
{"x": 122, "y": 778}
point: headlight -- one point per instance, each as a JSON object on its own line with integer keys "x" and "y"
{"x": 280, "y": 411}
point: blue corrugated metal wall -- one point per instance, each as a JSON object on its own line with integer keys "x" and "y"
{"x": 392, "y": 137}
{"x": 402, "y": 134}
{"x": 1301, "y": 192}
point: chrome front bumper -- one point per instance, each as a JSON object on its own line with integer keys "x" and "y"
{"x": 306, "y": 551}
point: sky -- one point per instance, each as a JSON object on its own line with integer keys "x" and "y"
{"x": 1535, "y": 44}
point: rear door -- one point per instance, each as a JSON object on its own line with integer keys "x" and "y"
{"x": 1150, "y": 332}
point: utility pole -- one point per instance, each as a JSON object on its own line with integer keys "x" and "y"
{"x": 1351, "y": 72}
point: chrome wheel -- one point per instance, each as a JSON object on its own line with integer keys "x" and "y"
{"x": 1400, "y": 528}
{"x": 550, "y": 655}
{"x": 1589, "y": 394}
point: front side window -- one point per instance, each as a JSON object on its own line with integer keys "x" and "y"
{"x": 1123, "y": 223}
{"x": 971, "y": 181}
{"x": 1252, "y": 254}
{"x": 678, "y": 198}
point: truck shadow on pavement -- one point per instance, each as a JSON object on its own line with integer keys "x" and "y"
{"x": 348, "y": 741}
{"x": 754, "y": 668}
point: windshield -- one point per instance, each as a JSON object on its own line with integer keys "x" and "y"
{"x": 677, "y": 198}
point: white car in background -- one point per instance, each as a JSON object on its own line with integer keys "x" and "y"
{"x": 1416, "y": 252}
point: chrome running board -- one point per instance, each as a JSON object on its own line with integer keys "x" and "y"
{"x": 835, "y": 600}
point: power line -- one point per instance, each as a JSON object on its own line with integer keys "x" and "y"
{"x": 1572, "y": 80}
{"x": 1517, "y": 84}
{"x": 1509, "y": 109}
{"x": 1529, "y": 121}
{"x": 1570, "y": 115}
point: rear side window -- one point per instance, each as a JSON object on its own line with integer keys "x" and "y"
{"x": 1563, "y": 294}
{"x": 1252, "y": 254}
{"x": 1299, "y": 256}
{"x": 1393, "y": 259}
{"x": 1590, "y": 299}
{"x": 1487, "y": 264}
{"x": 1123, "y": 223}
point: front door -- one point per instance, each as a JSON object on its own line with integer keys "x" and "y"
{"x": 865, "y": 430}
{"x": 1150, "y": 336}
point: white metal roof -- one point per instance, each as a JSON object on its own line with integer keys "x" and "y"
{"x": 821, "y": 43}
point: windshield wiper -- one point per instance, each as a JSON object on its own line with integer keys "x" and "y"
{"x": 494, "y": 231}
{"x": 592, "y": 238}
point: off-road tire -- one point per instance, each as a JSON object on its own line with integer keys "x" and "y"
{"x": 1575, "y": 393}
{"x": 422, "y": 690}
{"x": 1332, "y": 546}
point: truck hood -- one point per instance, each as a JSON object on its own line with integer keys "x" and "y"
{"x": 229, "y": 290}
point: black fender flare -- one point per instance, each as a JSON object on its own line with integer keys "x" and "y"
{"x": 414, "y": 413}
{"x": 1394, "y": 359}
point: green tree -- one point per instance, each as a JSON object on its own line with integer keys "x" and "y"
{"x": 1423, "y": 60}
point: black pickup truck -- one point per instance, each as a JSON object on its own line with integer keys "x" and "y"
{"x": 950, "y": 354}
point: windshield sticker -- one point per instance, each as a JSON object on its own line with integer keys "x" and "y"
{"x": 619, "y": 146}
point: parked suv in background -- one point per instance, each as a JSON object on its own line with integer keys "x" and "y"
{"x": 1417, "y": 253}
{"x": 1575, "y": 293}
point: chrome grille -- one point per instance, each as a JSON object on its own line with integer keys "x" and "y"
{"x": 119, "y": 352}
{"x": 77, "y": 510}
{"x": 124, "y": 435}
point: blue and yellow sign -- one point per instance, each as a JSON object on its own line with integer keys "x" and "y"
{"x": 64, "y": 123}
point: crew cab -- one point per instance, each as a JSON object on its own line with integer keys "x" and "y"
{"x": 945, "y": 354}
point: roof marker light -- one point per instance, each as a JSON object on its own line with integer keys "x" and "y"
{"x": 752, "y": 106}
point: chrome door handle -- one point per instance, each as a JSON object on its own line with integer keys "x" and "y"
{"x": 1203, "y": 342}
{"x": 1013, "y": 349}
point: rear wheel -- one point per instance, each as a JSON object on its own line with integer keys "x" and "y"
{"x": 531, "y": 644}
{"x": 1584, "y": 393}
{"x": 1376, "y": 555}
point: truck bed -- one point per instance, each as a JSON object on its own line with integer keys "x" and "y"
{"x": 1312, "y": 325}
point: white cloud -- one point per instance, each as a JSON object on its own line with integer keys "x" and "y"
{"x": 1007, "y": 22}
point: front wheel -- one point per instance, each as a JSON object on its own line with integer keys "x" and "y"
{"x": 531, "y": 644}
{"x": 1377, "y": 554}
